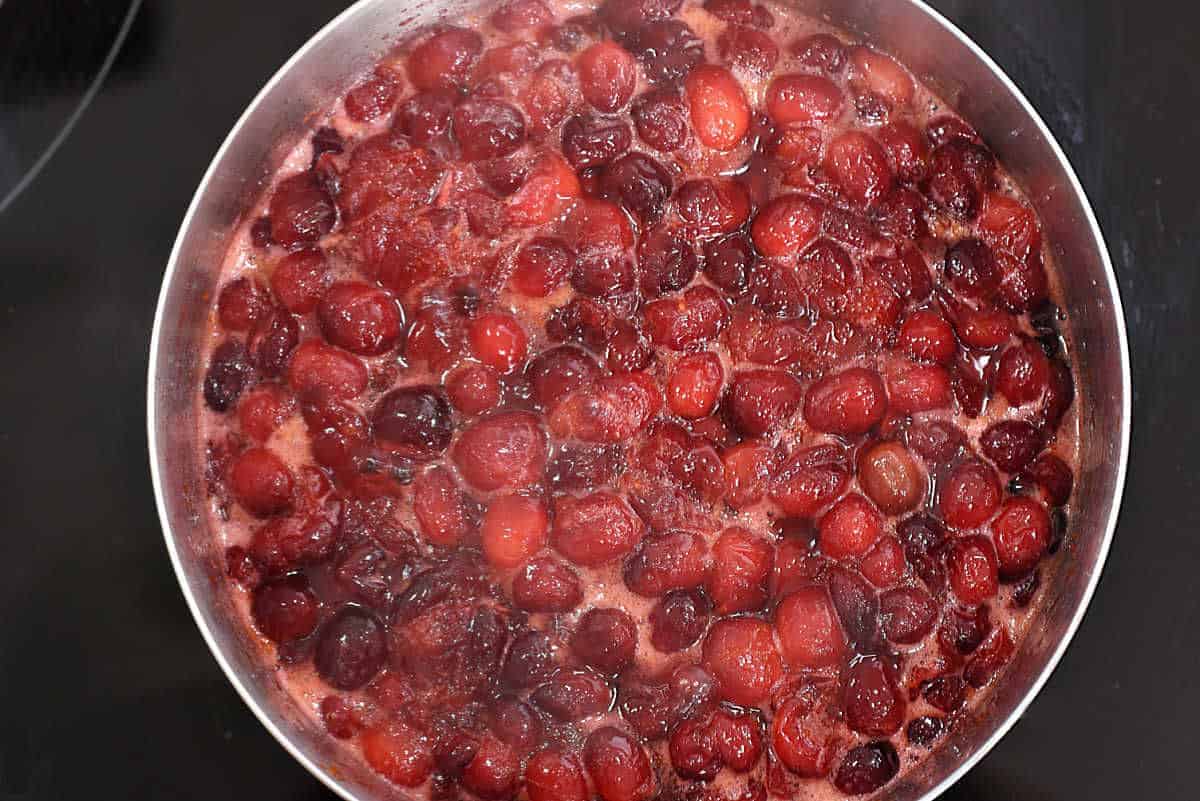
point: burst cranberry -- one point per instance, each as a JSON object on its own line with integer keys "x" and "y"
{"x": 677, "y": 560}
{"x": 873, "y": 704}
{"x": 694, "y": 753}
{"x": 786, "y": 225}
{"x": 242, "y": 303}
{"x": 666, "y": 259}
{"x": 546, "y": 585}
{"x": 488, "y": 129}
{"x": 554, "y": 775}
{"x": 883, "y": 565}
{"x": 720, "y": 111}
{"x": 866, "y": 768}
{"x": 937, "y": 441}
{"x": 530, "y": 660}
{"x": 619, "y": 766}
{"x": 801, "y": 738}
{"x": 639, "y": 183}
{"x": 890, "y": 477}
{"x": 596, "y": 225}
{"x": 809, "y": 630}
{"x": 973, "y": 570}
{"x": 728, "y": 262}
{"x": 713, "y": 205}
{"x": 399, "y": 753}
{"x": 759, "y": 400}
{"x": 802, "y": 98}
{"x": 992, "y": 655}
{"x": 748, "y": 470}
{"x": 317, "y": 370}
{"x": 610, "y": 410}
{"x": 1011, "y": 444}
{"x": 693, "y": 318}
{"x": 1021, "y": 533}
{"x": 541, "y": 266}
{"x": 947, "y": 693}
{"x": 415, "y": 420}
{"x": 850, "y": 402}
{"x": 607, "y": 75}
{"x": 858, "y": 165}
{"x": 440, "y": 507}
{"x": 301, "y": 210}
{"x": 810, "y": 480}
{"x": 261, "y": 483}
{"x": 660, "y": 117}
{"x": 1023, "y": 374}
{"x": 668, "y": 50}
{"x": 970, "y": 495}
{"x": 875, "y": 72}
{"x": 286, "y": 543}
{"x": 372, "y": 98}
{"x": 960, "y": 172}
{"x": 926, "y": 336}
{"x": 748, "y": 49}
{"x": 592, "y": 141}
{"x": 907, "y": 150}
{"x": 1009, "y": 225}
{"x": 678, "y": 621}
{"x": 821, "y": 50}
{"x": 504, "y": 451}
{"x": 360, "y": 318}
{"x": 263, "y": 410}
{"x": 351, "y": 649}
{"x": 742, "y": 565}
{"x": 444, "y": 60}
{"x": 741, "y": 654}
{"x": 605, "y": 639}
{"x": 595, "y": 529}
{"x": 548, "y": 190}
{"x": 299, "y": 280}
{"x": 285, "y": 610}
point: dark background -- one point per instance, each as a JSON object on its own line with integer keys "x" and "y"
{"x": 106, "y": 688}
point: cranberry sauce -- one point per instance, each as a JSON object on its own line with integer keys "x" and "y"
{"x": 653, "y": 400}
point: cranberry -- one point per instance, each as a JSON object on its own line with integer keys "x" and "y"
{"x": 810, "y": 480}
{"x": 907, "y": 615}
{"x": 801, "y": 737}
{"x": 679, "y": 620}
{"x": 973, "y": 569}
{"x": 607, "y": 76}
{"x": 759, "y": 400}
{"x": 694, "y": 753}
{"x": 693, "y": 318}
{"x": 1023, "y": 374}
{"x": 241, "y": 303}
{"x": 299, "y": 280}
{"x": 857, "y": 607}
{"x": 866, "y": 768}
{"x": 667, "y": 260}
{"x": 399, "y": 753}
{"x": 850, "y": 402}
{"x": 918, "y": 387}
{"x": 742, "y": 564}
{"x": 548, "y": 190}
{"x": 728, "y": 262}
{"x": 624, "y": 17}
{"x": 786, "y": 225}
{"x": 799, "y": 98}
{"x": 713, "y": 205}
{"x": 821, "y": 50}
{"x": 286, "y": 543}
{"x": 639, "y": 183}
{"x": 890, "y": 477}
{"x": 440, "y": 507}
{"x": 960, "y": 171}
{"x": 947, "y": 693}
{"x": 556, "y": 372}
{"x": 970, "y": 495}
{"x": 351, "y": 649}
{"x": 1010, "y": 226}
{"x": 272, "y": 341}
{"x": 748, "y": 49}
{"x": 677, "y": 560}
{"x": 668, "y": 50}
{"x": 937, "y": 441}
{"x": 261, "y": 483}
{"x": 809, "y": 630}
{"x": 1021, "y": 532}
{"x": 504, "y": 451}
{"x": 444, "y": 60}
{"x": 530, "y": 660}
{"x": 618, "y": 765}
{"x": 720, "y": 111}
{"x": 605, "y": 639}
{"x": 415, "y": 420}
{"x": 229, "y": 371}
{"x": 494, "y": 771}
{"x": 873, "y": 704}
{"x": 992, "y": 655}
{"x": 540, "y": 267}
{"x": 1011, "y": 444}
{"x": 263, "y": 410}
{"x": 961, "y": 633}
{"x": 969, "y": 385}
{"x": 595, "y": 529}
{"x": 592, "y": 141}
{"x": 946, "y": 128}
{"x": 319, "y": 370}
{"x": 514, "y": 528}
{"x": 883, "y": 565}
{"x": 1053, "y": 476}
{"x": 546, "y": 585}
{"x": 921, "y": 533}
{"x": 850, "y": 528}
{"x": 610, "y": 410}
{"x": 573, "y": 695}
{"x": 741, "y": 655}
{"x": 694, "y": 385}
{"x": 488, "y": 129}
{"x": 473, "y": 389}
{"x": 660, "y": 118}
{"x": 926, "y": 336}
{"x": 498, "y": 340}
{"x": 372, "y": 98}
{"x": 285, "y": 610}
{"x": 554, "y": 775}
{"x": 360, "y": 318}
{"x": 301, "y": 210}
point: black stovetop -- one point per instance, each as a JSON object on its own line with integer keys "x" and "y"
{"x": 106, "y": 688}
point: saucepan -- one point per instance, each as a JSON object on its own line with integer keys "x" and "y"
{"x": 937, "y": 53}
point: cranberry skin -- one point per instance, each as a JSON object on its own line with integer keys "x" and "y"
{"x": 786, "y": 225}
{"x": 713, "y": 205}
{"x": 1023, "y": 374}
{"x": 748, "y": 49}
{"x": 542, "y": 264}
{"x": 668, "y": 50}
{"x": 741, "y": 655}
{"x": 821, "y": 50}
{"x": 719, "y": 109}
{"x": 873, "y": 705}
{"x": 285, "y": 610}
{"x": 970, "y": 495}
{"x": 573, "y": 695}
{"x": 884, "y": 564}
{"x": 605, "y": 639}
{"x": 299, "y": 280}
{"x": 759, "y": 400}
{"x": 242, "y": 303}
{"x": 1011, "y": 444}
{"x": 530, "y": 660}
{"x": 1021, "y": 532}
{"x": 867, "y": 768}
{"x": 607, "y": 76}
{"x": 618, "y": 765}
{"x": 694, "y": 753}
{"x": 554, "y": 775}
{"x": 444, "y": 60}
{"x": 372, "y": 98}
{"x": 473, "y": 389}
{"x": 361, "y": 318}
{"x": 504, "y": 451}
{"x": 809, "y": 630}
{"x": 596, "y": 529}
{"x": 261, "y": 483}
{"x": 907, "y": 615}
{"x": 971, "y": 269}
{"x": 351, "y": 649}
{"x": 677, "y": 560}
{"x": 488, "y": 129}
{"x": 546, "y": 585}
{"x": 624, "y": 17}
{"x": 889, "y": 476}
{"x": 640, "y": 184}
{"x": 802, "y": 99}
{"x": 611, "y": 410}
{"x": 415, "y": 420}
{"x": 974, "y": 574}
{"x": 678, "y": 621}
{"x": 229, "y": 372}
{"x": 849, "y": 402}
{"x": 960, "y": 172}
{"x": 947, "y": 693}
{"x": 694, "y": 385}
{"x": 660, "y": 117}
{"x": 697, "y": 316}
{"x": 300, "y": 210}
{"x": 593, "y": 141}
{"x": 317, "y": 370}
{"x": 742, "y": 564}
{"x": 399, "y": 753}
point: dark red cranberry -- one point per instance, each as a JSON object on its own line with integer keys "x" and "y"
{"x": 660, "y": 117}
{"x": 285, "y": 610}
{"x": 229, "y": 372}
{"x": 425, "y": 117}
{"x": 946, "y": 693}
{"x": 728, "y": 263}
{"x": 530, "y": 660}
{"x": 748, "y": 49}
{"x": 822, "y": 50}
{"x": 488, "y": 129}
{"x": 925, "y": 730}
{"x": 971, "y": 268}
{"x": 350, "y": 650}
{"x": 961, "y": 633}
{"x": 242, "y": 303}
{"x": 866, "y": 768}
{"x": 260, "y": 232}
{"x": 546, "y": 585}
{"x": 573, "y": 695}
{"x": 416, "y": 420}
{"x": 1011, "y": 444}
{"x": 589, "y": 140}
{"x": 618, "y": 765}
{"x": 679, "y": 620}
{"x": 668, "y": 50}
{"x": 907, "y": 614}
{"x": 301, "y": 210}
{"x": 667, "y": 261}
{"x": 857, "y": 607}
{"x": 639, "y": 183}
{"x": 605, "y": 639}
{"x": 1054, "y": 476}
{"x": 625, "y": 17}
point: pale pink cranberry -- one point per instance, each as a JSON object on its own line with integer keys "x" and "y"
{"x": 884, "y": 564}
{"x": 440, "y": 507}
{"x": 555, "y": 775}
{"x": 759, "y": 400}
{"x": 970, "y": 495}
{"x": 719, "y": 109}
{"x": 514, "y": 529}
{"x": 873, "y": 704}
{"x": 473, "y": 389}
{"x": 596, "y": 529}
{"x": 261, "y": 483}
{"x": 320, "y": 370}
{"x": 741, "y": 654}
{"x": 974, "y": 573}
{"x": 786, "y": 225}
{"x": 1021, "y": 533}
{"x": 802, "y": 737}
{"x": 878, "y": 73}
{"x": 242, "y": 303}
{"x": 810, "y": 480}
{"x": 605, "y": 639}
{"x": 890, "y": 477}
{"x": 507, "y": 450}
{"x": 607, "y": 75}
{"x": 300, "y": 210}
{"x": 694, "y": 385}
{"x": 548, "y": 191}
{"x": 805, "y": 99}
{"x": 444, "y": 60}
{"x": 849, "y": 402}
{"x": 850, "y": 528}
{"x": 1023, "y": 374}
{"x": 742, "y": 564}
{"x": 676, "y": 560}
{"x": 300, "y": 279}
{"x": 399, "y": 753}
{"x": 809, "y": 630}
{"x": 619, "y": 766}
{"x": 546, "y": 585}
